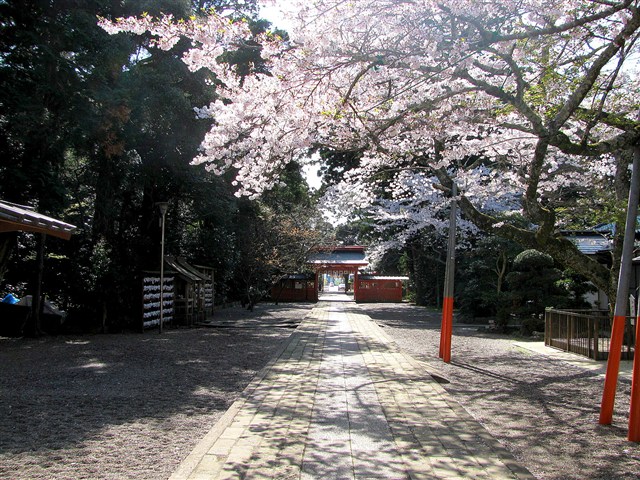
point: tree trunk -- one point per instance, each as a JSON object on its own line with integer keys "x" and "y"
{"x": 7, "y": 244}
{"x": 417, "y": 270}
{"x": 280, "y": 290}
{"x": 501, "y": 269}
{"x": 621, "y": 190}
{"x": 33, "y": 327}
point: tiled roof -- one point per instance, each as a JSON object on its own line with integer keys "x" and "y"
{"x": 590, "y": 244}
{"x": 346, "y": 256}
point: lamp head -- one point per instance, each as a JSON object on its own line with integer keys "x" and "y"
{"x": 162, "y": 206}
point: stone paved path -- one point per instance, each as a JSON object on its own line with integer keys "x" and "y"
{"x": 341, "y": 401}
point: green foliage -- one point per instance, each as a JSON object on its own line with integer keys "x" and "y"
{"x": 240, "y": 8}
{"x": 95, "y": 130}
{"x": 575, "y": 287}
{"x": 393, "y": 262}
{"x": 496, "y": 279}
{"x": 533, "y": 261}
{"x": 357, "y": 231}
{"x": 425, "y": 262}
{"x": 277, "y": 235}
{"x": 293, "y": 191}
{"x": 480, "y": 278}
{"x": 535, "y": 284}
{"x": 335, "y": 164}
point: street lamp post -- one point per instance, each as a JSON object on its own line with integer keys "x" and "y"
{"x": 162, "y": 206}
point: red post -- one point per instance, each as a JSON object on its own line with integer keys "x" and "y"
{"x": 447, "y": 321}
{"x": 442, "y": 331}
{"x": 613, "y": 367}
{"x": 622, "y": 296}
{"x": 634, "y": 409}
{"x": 356, "y": 287}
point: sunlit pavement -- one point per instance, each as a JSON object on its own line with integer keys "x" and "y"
{"x": 598, "y": 367}
{"x": 335, "y": 296}
{"x": 341, "y": 401}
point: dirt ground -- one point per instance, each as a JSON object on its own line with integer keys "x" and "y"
{"x": 134, "y": 405}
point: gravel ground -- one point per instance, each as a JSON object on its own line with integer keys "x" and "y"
{"x": 129, "y": 405}
{"x": 544, "y": 410}
{"x": 134, "y": 405}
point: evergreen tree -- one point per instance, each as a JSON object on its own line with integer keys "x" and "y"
{"x": 97, "y": 128}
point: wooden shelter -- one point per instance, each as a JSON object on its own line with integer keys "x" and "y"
{"x": 301, "y": 287}
{"x": 208, "y": 292}
{"x": 20, "y": 218}
{"x": 190, "y": 290}
{"x": 187, "y": 291}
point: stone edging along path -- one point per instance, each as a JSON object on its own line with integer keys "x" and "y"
{"x": 340, "y": 400}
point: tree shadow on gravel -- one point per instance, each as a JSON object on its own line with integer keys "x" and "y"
{"x": 60, "y": 392}
{"x": 546, "y": 410}
{"x": 401, "y": 315}
{"x": 263, "y": 312}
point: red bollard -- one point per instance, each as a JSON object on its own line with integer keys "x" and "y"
{"x": 634, "y": 409}
{"x": 447, "y": 329}
{"x": 613, "y": 367}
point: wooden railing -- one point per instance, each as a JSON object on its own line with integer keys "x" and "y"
{"x": 585, "y": 332}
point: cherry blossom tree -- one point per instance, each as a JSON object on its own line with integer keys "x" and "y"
{"x": 520, "y": 103}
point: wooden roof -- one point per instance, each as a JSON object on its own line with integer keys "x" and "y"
{"x": 186, "y": 271}
{"x": 20, "y": 218}
{"x": 384, "y": 277}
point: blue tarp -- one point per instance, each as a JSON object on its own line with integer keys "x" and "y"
{"x": 10, "y": 299}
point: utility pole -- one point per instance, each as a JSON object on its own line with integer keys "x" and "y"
{"x": 447, "y": 307}
{"x": 622, "y": 298}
